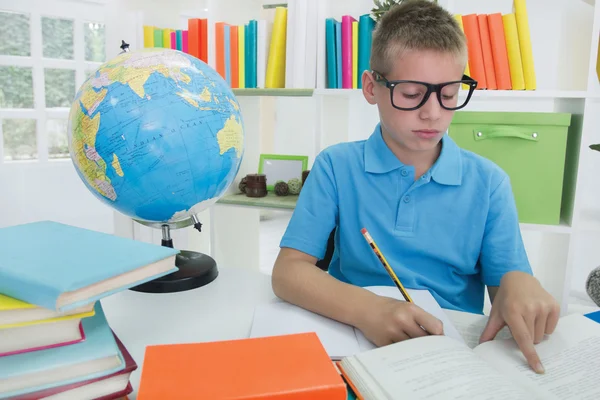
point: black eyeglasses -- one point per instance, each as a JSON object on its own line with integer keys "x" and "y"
{"x": 409, "y": 95}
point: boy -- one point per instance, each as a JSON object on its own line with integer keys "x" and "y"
{"x": 444, "y": 218}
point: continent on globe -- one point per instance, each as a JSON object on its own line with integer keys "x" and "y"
{"x": 83, "y": 130}
{"x": 231, "y": 136}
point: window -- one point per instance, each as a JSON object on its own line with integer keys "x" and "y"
{"x": 38, "y": 82}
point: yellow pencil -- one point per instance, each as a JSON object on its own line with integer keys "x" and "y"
{"x": 387, "y": 267}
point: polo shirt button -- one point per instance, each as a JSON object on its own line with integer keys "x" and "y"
{"x": 406, "y": 199}
{"x": 404, "y": 172}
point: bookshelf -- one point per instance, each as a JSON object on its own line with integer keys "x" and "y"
{"x": 564, "y": 35}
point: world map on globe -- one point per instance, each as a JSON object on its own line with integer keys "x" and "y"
{"x": 156, "y": 134}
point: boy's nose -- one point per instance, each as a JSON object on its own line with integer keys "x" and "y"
{"x": 432, "y": 109}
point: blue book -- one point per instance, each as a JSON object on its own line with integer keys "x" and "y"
{"x": 253, "y": 44}
{"x": 227, "y": 51}
{"x": 179, "y": 40}
{"x": 365, "y": 32}
{"x": 96, "y": 357}
{"x": 338, "y": 52}
{"x": 330, "y": 47}
{"x": 61, "y": 267}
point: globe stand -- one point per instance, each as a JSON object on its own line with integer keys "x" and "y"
{"x": 195, "y": 269}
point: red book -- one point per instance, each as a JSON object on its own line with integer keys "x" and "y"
{"x": 203, "y": 40}
{"x": 193, "y": 37}
{"x": 486, "y": 51}
{"x": 476, "y": 66}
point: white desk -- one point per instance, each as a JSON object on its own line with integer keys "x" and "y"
{"x": 221, "y": 310}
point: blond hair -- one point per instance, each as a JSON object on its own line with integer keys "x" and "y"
{"x": 415, "y": 25}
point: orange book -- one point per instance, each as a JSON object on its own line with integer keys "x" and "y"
{"x": 234, "y": 56}
{"x": 193, "y": 35}
{"x": 499, "y": 52}
{"x": 220, "y": 48}
{"x": 476, "y": 67}
{"x": 284, "y": 367}
{"x": 486, "y": 51}
{"x": 204, "y": 40}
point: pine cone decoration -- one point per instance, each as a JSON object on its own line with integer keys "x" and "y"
{"x": 242, "y": 184}
{"x": 281, "y": 188}
{"x": 294, "y": 185}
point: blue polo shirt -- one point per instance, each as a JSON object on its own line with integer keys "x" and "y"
{"x": 452, "y": 231}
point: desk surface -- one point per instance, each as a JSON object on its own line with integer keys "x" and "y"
{"x": 221, "y": 310}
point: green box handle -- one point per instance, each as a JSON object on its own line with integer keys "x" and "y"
{"x": 504, "y": 131}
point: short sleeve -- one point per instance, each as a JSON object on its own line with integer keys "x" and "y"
{"x": 502, "y": 249}
{"x": 316, "y": 211}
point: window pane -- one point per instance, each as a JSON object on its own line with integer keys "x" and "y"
{"x": 16, "y": 87}
{"x": 60, "y": 87}
{"x": 57, "y": 38}
{"x": 14, "y": 34}
{"x": 94, "y": 41}
{"x": 19, "y": 136}
{"x": 58, "y": 146}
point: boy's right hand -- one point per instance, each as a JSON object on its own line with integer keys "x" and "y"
{"x": 388, "y": 320}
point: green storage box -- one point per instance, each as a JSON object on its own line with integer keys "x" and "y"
{"x": 530, "y": 147}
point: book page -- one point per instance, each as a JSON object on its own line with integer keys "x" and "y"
{"x": 421, "y": 298}
{"x": 571, "y": 358}
{"x": 470, "y": 326}
{"x": 281, "y": 318}
{"x": 433, "y": 368}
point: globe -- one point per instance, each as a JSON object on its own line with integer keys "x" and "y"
{"x": 157, "y": 135}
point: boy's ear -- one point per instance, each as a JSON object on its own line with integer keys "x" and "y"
{"x": 368, "y": 87}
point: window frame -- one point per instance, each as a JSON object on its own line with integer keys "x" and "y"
{"x": 80, "y": 12}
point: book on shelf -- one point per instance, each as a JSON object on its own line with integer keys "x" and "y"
{"x": 429, "y": 366}
{"x": 500, "y": 54}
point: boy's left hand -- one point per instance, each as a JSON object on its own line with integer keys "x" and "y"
{"x": 529, "y": 311}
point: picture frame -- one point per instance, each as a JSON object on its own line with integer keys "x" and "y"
{"x": 282, "y": 167}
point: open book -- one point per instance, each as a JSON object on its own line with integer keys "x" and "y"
{"x": 340, "y": 340}
{"x": 438, "y": 367}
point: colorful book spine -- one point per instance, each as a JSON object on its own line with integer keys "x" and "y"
{"x": 498, "y": 44}
{"x": 227, "y": 52}
{"x": 347, "y": 47}
{"x": 338, "y": 46}
{"x": 459, "y": 21}
{"x": 193, "y": 36}
{"x": 276, "y": 63}
{"x": 234, "y": 57}
{"x": 179, "y": 40}
{"x": 354, "y": 54}
{"x": 184, "y": 41}
{"x": 148, "y": 36}
{"x": 520, "y": 11}
{"x": 331, "y": 54}
{"x": 158, "y": 37}
{"x": 242, "y": 56}
{"x": 203, "y": 40}
{"x": 513, "y": 51}
{"x": 251, "y": 58}
{"x": 365, "y": 32}
{"x": 476, "y": 64}
{"x": 167, "y": 38}
{"x": 220, "y": 48}
{"x": 174, "y": 40}
{"x": 486, "y": 51}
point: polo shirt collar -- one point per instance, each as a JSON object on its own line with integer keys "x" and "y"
{"x": 447, "y": 170}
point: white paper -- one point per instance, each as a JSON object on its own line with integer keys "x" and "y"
{"x": 471, "y": 326}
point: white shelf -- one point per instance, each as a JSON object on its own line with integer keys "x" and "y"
{"x": 562, "y": 228}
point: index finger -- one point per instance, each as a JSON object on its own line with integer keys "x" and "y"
{"x": 430, "y": 323}
{"x": 520, "y": 333}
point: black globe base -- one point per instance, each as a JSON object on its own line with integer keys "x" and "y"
{"x": 195, "y": 270}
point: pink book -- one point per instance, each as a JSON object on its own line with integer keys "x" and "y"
{"x": 174, "y": 40}
{"x": 347, "y": 51}
{"x": 79, "y": 338}
{"x": 184, "y": 41}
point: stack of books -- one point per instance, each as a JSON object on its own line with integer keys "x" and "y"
{"x": 55, "y": 340}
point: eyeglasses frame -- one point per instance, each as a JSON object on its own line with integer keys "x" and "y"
{"x": 431, "y": 87}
